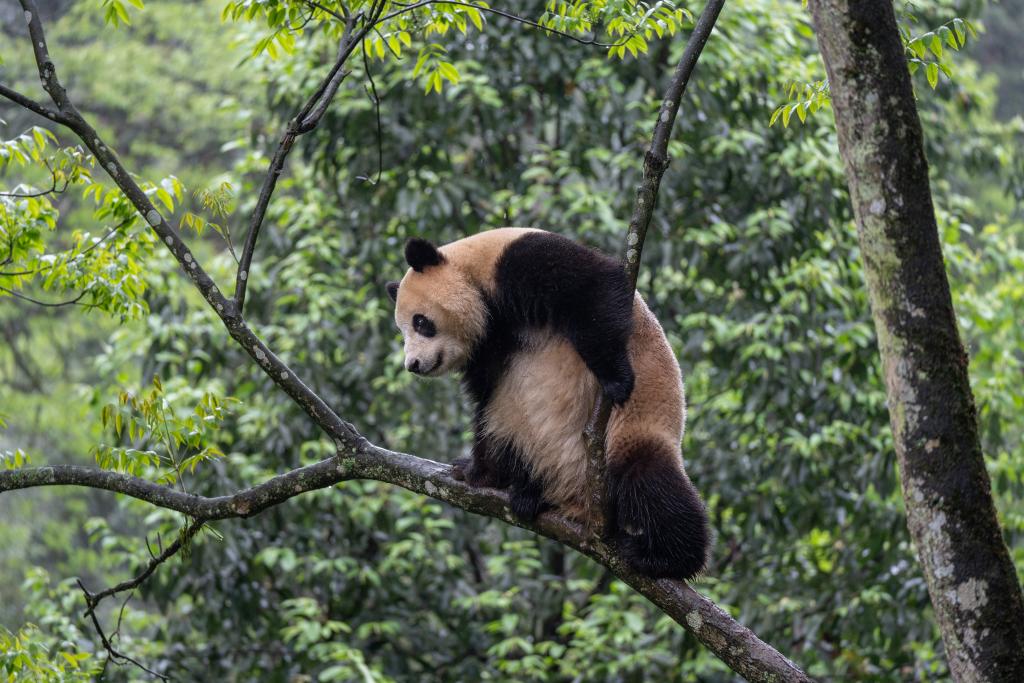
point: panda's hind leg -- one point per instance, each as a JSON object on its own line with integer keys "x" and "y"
{"x": 492, "y": 463}
{"x": 656, "y": 517}
{"x": 497, "y": 463}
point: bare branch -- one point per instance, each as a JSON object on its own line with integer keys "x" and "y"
{"x": 305, "y": 120}
{"x": 113, "y": 654}
{"x": 655, "y": 163}
{"x": 37, "y": 302}
{"x": 32, "y": 105}
{"x": 736, "y": 645}
{"x": 53, "y": 188}
{"x": 371, "y": 91}
{"x": 184, "y": 537}
{"x": 92, "y": 600}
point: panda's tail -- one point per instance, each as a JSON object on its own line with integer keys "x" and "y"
{"x": 655, "y": 515}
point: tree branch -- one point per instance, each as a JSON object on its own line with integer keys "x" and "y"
{"x": 306, "y": 119}
{"x": 735, "y": 644}
{"x": 655, "y": 163}
{"x": 32, "y": 105}
{"x": 37, "y": 302}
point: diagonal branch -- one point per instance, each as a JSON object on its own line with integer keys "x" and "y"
{"x": 305, "y": 120}
{"x": 94, "y": 599}
{"x": 655, "y": 163}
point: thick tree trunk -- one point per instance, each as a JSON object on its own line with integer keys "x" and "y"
{"x": 950, "y": 513}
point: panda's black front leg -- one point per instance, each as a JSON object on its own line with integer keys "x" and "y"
{"x": 608, "y": 358}
{"x": 501, "y": 466}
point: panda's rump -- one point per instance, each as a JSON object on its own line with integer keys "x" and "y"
{"x": 541, "y": 405}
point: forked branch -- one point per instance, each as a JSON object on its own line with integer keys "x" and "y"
{"x": 735, "y": 644}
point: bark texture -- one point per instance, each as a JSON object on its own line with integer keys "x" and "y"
{"x": 950, "y": 512}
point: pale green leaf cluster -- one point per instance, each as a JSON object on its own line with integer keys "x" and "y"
{"x": 927, "y": 49}
{"x": 14, "y": 459}
{"x": 622, "y": 26}
{"x": 115, "y": 13}
{"x": 27, "y": 656}
{"x": 931, "y": 50}
{"x": 627, "y": 25}
{"x": 313, "y": 633}
{"x": 101, "y": 269}
{"x": 153, "y": 420}
{"x": 219, "y": 203}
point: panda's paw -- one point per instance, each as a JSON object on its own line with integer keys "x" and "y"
{"x": 467, "y": 469}
{"x": 618, "y": 389}
{"x": 527, "y": 501}
{"x": 460, "y": 466}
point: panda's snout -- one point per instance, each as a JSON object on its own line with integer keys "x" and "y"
{"x": 418, "y": 367}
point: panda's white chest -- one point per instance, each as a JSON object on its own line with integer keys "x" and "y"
{"x": 541, "y": 405}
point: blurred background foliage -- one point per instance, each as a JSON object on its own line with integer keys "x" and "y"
{"x": 752, "y": 267}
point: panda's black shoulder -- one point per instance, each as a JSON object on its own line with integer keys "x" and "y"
{"x": 547, "y": 266}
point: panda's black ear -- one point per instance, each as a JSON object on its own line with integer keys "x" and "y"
{"x": 392, "y": 288}
{"x": 420, "y": 254}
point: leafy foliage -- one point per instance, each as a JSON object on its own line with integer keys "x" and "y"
{"x": 752, "y": 266}
{"x": 924, "y": 51}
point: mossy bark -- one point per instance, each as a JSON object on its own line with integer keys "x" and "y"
{"x": 950, "y": 513}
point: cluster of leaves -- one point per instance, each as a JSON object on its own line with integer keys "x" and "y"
{"x": 924, "y": 50}
{"x": 103, "y": 269}
{"x": 151, "y": 419}
{"x": 32, "y": 654}
{"x": 26, "y": 656}
{"x": 624, "y": 25}
{"x": 219, "y": 204}
{"x": 115, "y": 12}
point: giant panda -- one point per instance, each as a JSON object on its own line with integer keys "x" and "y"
{"x": 536, "y": 324}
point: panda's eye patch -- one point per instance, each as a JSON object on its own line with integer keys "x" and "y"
{"x": 423, "y": 325}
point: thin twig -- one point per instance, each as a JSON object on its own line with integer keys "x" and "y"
{"x": 23, "y": 297}
{"x": 32, "y": 105}
{"x": 113, "y": 654}
{"x": 169, "y": 552}
{"x": 53, "y": 189}
{"x": 372, "y": 93}
{"x": 305, "y": 120}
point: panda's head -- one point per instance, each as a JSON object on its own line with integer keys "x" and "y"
{"x": 437, "y": 308}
